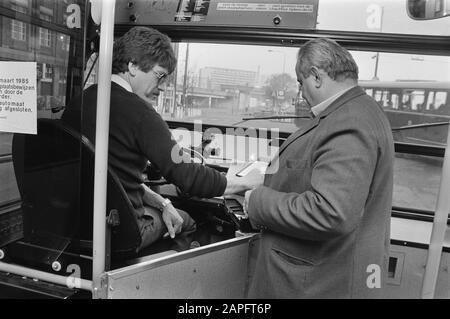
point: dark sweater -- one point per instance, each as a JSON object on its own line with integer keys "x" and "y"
{"x": 138, "y": 134}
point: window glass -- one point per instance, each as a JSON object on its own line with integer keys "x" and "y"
{"x": 21, "y": 40}
{"x": 442, "y": 102}
{"x": 212, "y": 85}
{"x": 385, "y": 16}
{"x": 431, "y": 101}
{"x": 394, "y": 100}
{"x": 416, "y": 181}
{"x": 417, "y": 99}
{"x": 46, "y": 166}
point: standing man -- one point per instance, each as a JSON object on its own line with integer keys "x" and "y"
{"x": 324, "y": 208}
{"x": 142, "y": 60}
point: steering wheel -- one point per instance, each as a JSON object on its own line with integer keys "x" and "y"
{"x": 154, "y": 175}
{"x": 195, "y": 155}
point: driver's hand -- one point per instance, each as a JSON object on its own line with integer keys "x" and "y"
{"x": 173, "y": 221}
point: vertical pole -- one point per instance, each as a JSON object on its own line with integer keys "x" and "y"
{"x": 439, "y": 228}
{"x": 377, "y": 57}
{"x": 185, "y": 78}
{"x": 174, "y": 99}
{"x": 101, "y": 143}
{"x": 284, "y": 81}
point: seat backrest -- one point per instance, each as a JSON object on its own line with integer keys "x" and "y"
{"x": 55, "y": 176}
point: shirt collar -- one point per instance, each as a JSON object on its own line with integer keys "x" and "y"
{"x": 120, "y": 81}
{"x": 319, "y": 108}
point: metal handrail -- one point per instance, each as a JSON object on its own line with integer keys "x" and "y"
{"x": 439, "y": 229}
{"x": 101, "y": 141}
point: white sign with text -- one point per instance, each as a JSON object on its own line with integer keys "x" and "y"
{"x": 18, "y": 107}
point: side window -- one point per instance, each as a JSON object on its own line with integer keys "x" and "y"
{"x": 406, "y": 100}
{"x": 395, "y": 101}
{"x": 385, "y": 99}
{"x": 417, "y": 100}
{"x": 442, "y": 103}
{"x": 26, "y": 40}
{"x": 378, "y": 95}
{"x": 431, "y": 106}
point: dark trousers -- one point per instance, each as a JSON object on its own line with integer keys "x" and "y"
{"x": 153, "y": 228}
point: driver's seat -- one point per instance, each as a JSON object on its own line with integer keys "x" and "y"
{"x": 55, "y": 177}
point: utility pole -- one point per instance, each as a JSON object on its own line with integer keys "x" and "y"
{"x": 174, "y": 97}
{"x": 377, "y": 57}
{"x": 185, "y": 77}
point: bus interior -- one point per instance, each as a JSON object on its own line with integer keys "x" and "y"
{"x": 232, "y": 98}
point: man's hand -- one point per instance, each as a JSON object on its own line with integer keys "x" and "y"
{"x": 173, "y": 221}
{"x": 236, "y": 184}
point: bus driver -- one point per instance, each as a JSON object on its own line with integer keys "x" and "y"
{"x": 142, "y": 60}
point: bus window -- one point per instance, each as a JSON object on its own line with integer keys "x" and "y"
{"x": 394, "y": 101}
{"x": 377, "y": 96}
{"x": 385, "y": 99}
{"x": 406, "y": 100}
{"x": 50, "y": 49}
{"x": 417, "y": 100}
{"x": 431, "y": 105}
{"x": 217, "y": 88}
{"x": 36, "y": 31}
{"x": 442, "y": 103}
{"x": 376, "y": 16}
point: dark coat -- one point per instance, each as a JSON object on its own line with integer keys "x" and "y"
{"x": 325, "y": 206}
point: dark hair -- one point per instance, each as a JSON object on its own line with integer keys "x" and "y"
{"x": 144, "y": 47}
{"x": 329, "y": 56}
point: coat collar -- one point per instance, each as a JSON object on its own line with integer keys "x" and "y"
{"x": 344, "y": 98}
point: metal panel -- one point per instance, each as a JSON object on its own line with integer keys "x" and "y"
{"x": 408, "y": 277}
{"x": 261, "y": 13}
{"x": 215, "y": 271}
{"x": 396, "y": 277}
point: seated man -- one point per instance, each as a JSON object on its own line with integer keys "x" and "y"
{"x": 142, "y": 60}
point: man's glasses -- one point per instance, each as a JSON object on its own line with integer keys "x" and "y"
{"x": 161, "y": 76}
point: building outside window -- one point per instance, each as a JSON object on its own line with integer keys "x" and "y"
{"x": 45, "y": 35}
{"x": 18, "y": 28}
{"x": 65, "y": 42}
{"x": 48, "y": 74}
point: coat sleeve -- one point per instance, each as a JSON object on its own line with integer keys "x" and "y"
{"x": 341, "y": 174}
{"x": 156, "y": 142}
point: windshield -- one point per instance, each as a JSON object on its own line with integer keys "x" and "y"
{"x": 256, "y": 86}
{"x": 385, "y": 16}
